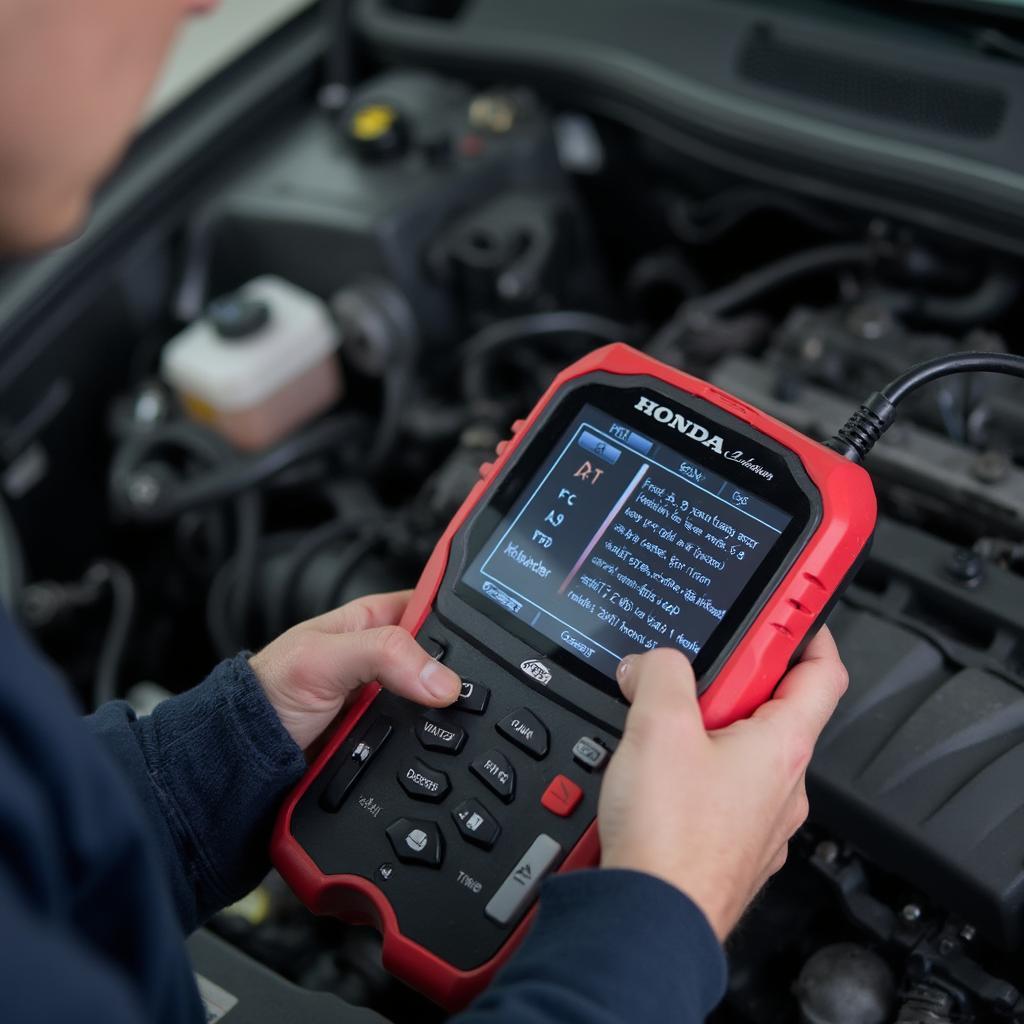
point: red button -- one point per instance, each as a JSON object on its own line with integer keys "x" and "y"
{"x": 562, "y": 797}
{"x": 471, "y": 145}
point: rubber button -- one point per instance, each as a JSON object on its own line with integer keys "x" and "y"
{"x": 435, "y": 648}
{"x": 371, "y": 739}
{"x": 562, "y": 797}
{"x": 368, "y": 741}
{"x": 495, "y": 770}
{"x": 590, "y": 754}
{"x": 417, "y": 842}
{"x": 519, "y": 889}
{"x": 473, "y": 697}
{"x": 526, "y": 731}
{"x": 471, "y": 146}
{"x": 338, "y": 788}
{"x": 446, "y": 739}
{"x": 476, "y": 823}
{"x": 422, "y": 782}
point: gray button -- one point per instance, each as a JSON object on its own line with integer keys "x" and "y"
{"x": 520, "y": 888}
{"x": 599, "y": 446}
{"x": 590, "y": 753}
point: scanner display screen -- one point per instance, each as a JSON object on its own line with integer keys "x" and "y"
{"x": 618, "y": 543}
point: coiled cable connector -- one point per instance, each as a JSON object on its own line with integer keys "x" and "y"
{"x": 858, "y": 435}
{"x": 863, "y": 429}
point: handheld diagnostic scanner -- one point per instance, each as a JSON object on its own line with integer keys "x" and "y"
{"x": 636, "y": 507}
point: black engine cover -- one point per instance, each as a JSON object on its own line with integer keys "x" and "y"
{"x": 922, "y": 767}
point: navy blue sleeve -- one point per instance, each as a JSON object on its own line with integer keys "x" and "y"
{"x": 91, "y": 987}
{"x": 608, "y": 947}
{"x": 210, "y": 767}
{"x": 89, "y": 929}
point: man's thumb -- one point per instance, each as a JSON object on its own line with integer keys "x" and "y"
{"x": 661, "y": 687}
{"x": 339, "y": 663}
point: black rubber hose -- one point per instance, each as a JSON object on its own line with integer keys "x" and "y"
{"x": 304, "y": 551}
{"x": 245, "y": 563}
{"x": 475, "y": 351}
{"x": 360, "y": 548}
{"x": 137, "y": 449}
{"x": 12, "y": 561}
{"x": 534, "y": 325}
{"x": 990, "y": 300}
{"x": 744, "y": 290}
{"x": 395, "y": 386}
{"x": 123, "y": 601}
{"x": 234, "y": 474}
{"x": 340, "y": 59}
{"x": 706, "y": 221}
{"x": 218, "y": 613}
{"x": 230, "y": 592}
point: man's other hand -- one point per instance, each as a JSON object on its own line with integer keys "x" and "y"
{"x": 309, "y": 672}
{"x": 713, "y": 813}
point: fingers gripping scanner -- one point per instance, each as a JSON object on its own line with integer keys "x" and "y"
{"x": 636, "y": 507}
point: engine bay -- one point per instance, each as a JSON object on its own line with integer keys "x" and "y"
{"x": 463, "y": 237}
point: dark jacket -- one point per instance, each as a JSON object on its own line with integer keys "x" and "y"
{"x": 119, "y": 835}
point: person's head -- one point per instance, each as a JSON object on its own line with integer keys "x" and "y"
{"x": 74, "y": 76}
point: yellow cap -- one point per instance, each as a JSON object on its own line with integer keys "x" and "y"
{"x": 372, "y": 122}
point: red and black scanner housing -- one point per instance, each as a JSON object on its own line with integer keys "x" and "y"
{"x": 379, "y": 830}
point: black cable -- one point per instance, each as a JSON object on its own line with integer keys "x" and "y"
{"x": 660, "y": 270}
{"x": 502, "y": 333}
{"x": 201, "y": 541}
{"x": 863, "y": 429}
{"x": 233, "y": 474}
{"x": 819, "y": 260}
{"x": 943, "y": 366}
{"x": 532, "y": 325}
{"x": 12, "y": 561}
{"x": 395, "y": 394}
{"x": 990, "y": 300}
{"x": 123, "y": 600}
{"x": 218, "y": 613}
{"x": 340, "y": 57}
{"x": 245, "y": 564}
{"x": 230, "y": 593}
{"x": 699, "y": 223}
{"x": 138, "y": 449}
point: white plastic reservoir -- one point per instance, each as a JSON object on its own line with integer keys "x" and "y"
{"x": 259, "y": 364}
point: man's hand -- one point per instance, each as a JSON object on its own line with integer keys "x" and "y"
{"x": 713, "y": 813}
{"x": 310, "y": 671}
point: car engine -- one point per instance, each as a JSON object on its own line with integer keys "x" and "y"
{"x": 464, "y": 237}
